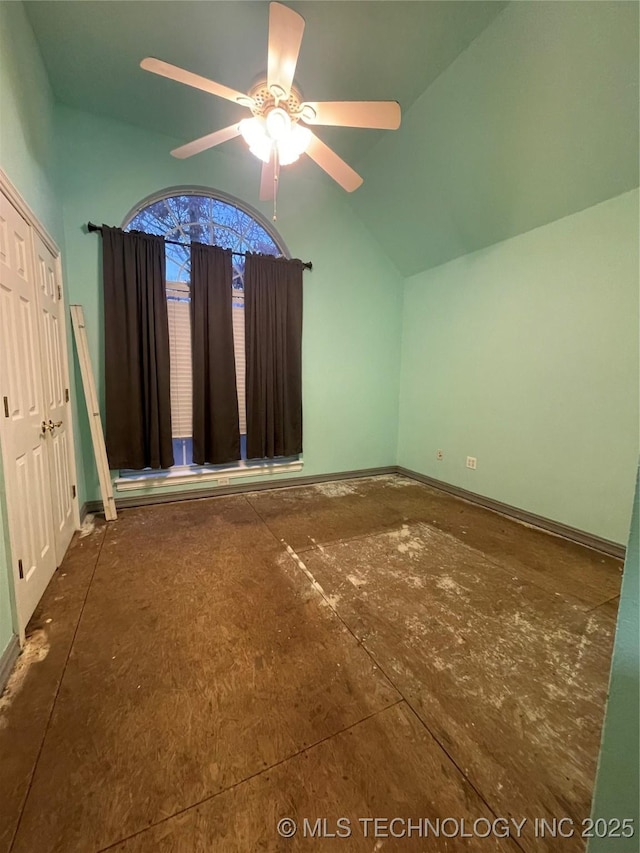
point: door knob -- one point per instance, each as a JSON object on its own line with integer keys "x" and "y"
{"x": 50, "y": 425}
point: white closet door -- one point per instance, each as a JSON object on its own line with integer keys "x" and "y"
{"x": 23, "y": 416}
{"x": 56, "y": 394}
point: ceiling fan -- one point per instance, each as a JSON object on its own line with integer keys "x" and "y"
{"x": 277, "y": 133}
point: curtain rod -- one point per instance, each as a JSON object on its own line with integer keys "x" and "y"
{"x": 93, "y": 227}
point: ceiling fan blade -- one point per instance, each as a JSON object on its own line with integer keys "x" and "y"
{"x": 285, "y": 36}
{"x": 333, "y": 165}
{"x": 267, "y": 183}
{"x": 173, "y": 72}
{"x": 204, "y": 142}
{"x": 381, "y": 114}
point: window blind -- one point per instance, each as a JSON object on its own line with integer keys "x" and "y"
{"x": 180, "y": 356}
{"x": 238, "y": 345}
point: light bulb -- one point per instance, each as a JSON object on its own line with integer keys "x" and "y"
{"x": 278, "y": 124}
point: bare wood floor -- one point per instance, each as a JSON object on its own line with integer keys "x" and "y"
{"x": 198, "y": 671}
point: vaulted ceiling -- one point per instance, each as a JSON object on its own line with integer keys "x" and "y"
{"x": 350, "y": 51}
{"x": 513, "y": 114}
{"x": 537, "y": 120}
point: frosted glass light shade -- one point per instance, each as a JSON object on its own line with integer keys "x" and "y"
{"x": 278, "y": 124}
{"x": 293, "y": 145}
{"x": 290, "y": 140}
{"x": 255, "y": 135}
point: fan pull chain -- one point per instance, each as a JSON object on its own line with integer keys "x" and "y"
{"x": 276, "y": 171}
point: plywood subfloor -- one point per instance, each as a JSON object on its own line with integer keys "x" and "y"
{"x": 369, "y": 648}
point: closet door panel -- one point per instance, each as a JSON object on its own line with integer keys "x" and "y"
{"x": 56, "y": 393}
{"x": 25, "y": 448}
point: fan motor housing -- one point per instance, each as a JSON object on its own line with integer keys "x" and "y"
{"x": 264, "y": 100}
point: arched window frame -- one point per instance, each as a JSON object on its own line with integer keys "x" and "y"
{"x": 247, "y": 237}
{"x": 214, "y": 195}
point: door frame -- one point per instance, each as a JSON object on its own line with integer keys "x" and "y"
{"x": 23, "y": 208}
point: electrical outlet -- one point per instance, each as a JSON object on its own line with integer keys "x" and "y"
{"x": 223, "y": 481}
{"x": 472, "y": 462}
{"x": 440, "y": 455}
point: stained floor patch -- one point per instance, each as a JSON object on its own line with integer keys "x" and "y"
{"x": 510, "y": 678}
{"x": 35, "y": 650}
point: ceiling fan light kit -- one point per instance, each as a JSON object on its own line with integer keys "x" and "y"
{"x": 275, "y": 134}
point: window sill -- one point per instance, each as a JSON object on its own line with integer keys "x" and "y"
{"x": 214, "y": 476}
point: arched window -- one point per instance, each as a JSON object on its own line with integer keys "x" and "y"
{"x": 203, "y": 216}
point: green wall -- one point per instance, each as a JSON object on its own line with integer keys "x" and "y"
{"x": 27, "y": 157}
{"x": 27, "y": 152}
{"x": 352, "y": 299}
{"x": 525, "y": 355}
{"x": 616, "y": 790}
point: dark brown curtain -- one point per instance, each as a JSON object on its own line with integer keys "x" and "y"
{"x": 273, "y": 347}
{"x": 138, "y": 398}
{"x": 216, "y": 430}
